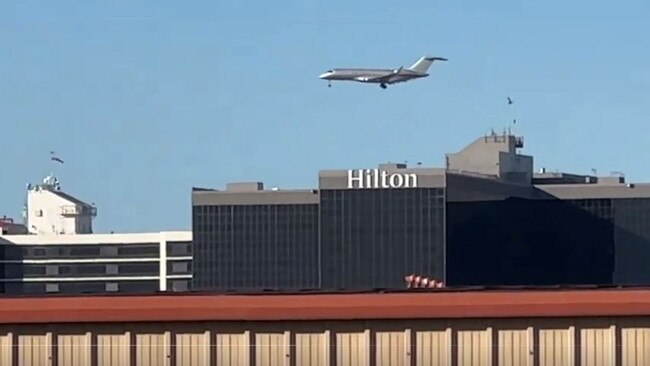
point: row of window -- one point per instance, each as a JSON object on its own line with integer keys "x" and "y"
{"x": 82, "y": 287}
{"x": 92, "y": 269}
{"x": 18, "y": 252}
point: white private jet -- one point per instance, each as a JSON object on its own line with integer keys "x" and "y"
{"x": 383, "y": 77}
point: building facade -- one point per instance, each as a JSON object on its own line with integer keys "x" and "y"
{"x": 486, "y": 218}
{"x": 248, "y": 237}
{"x": 622, "y": 212}
{"x": 96, "y": 263}
{"x": 369, "y": 233}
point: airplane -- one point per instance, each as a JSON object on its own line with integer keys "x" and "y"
{"x": 383, "y": 77}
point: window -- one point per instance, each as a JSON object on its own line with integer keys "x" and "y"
{"x": 178, "y": 267}
{"x": 52, "y": 287}
{"x": 51, "y": 270}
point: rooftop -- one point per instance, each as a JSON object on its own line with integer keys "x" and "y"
{"x": 77, "y": 239}
{"x": 411, "y": 304}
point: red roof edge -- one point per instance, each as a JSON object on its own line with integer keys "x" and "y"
{"x": 418, "y": 305}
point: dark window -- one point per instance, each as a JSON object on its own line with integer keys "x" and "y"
{"x": 147, "y": 250}
{"x": 632, "y": 240}
{"x": 179, "y": 248}
{"x": 143, "y": 269}
{"x": 139, "y": 286}
{"x": 179, "y": 267}
{"x": 178, "y": 285}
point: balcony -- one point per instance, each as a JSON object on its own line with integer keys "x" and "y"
{"x": 72, "y": 211}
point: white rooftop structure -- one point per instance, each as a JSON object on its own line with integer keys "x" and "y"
{"x": 49, "y": 210}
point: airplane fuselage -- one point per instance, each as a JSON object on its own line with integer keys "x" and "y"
{"x": 382, "y": 77}
{"x": 372, "y": 75}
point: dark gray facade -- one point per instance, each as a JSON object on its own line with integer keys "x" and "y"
{"x": 373, "y": 238}
{"x": 248, "y": 238}
{"x": 30, "y": 267}
{"x": 484, "y": 219}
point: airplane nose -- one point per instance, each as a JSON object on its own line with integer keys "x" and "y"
{"x": 325, "y": 75}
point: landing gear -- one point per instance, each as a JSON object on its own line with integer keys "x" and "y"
{"x": 382, "y": 85}
{"x": 329, "y": 84}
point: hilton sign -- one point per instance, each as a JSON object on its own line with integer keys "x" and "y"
{"x": 374, "y": 178}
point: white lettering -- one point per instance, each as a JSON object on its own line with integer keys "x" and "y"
{"x": 396, "y": 181}
{"x": 384, "y": 174}
{"x": 352, "y": 178}
{"x": 373, "y": 178}
{"x": 411, "y": 180}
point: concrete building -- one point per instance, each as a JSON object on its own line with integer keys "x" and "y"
{"x": 486, "y": 218}
{"x": 57, "y": 252}
{"x": 440, "y": 328}
{"x": 96, "y": 263}
{"x": 50, "y": 210}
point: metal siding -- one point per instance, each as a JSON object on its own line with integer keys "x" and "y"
{"x": 621, "y": 341}
{"x": 352, "y": 349}
{"x": 6, "y": 349}
{"x": 635, "y": 346}
{"x": 597, "y": 347}
{"x": 152, "y": 350}
{"x": 312, "y": 349}
{"x": 113, "y": 350}
{"x": 515, "y": 348}
{"x": 474, "y": 348}
{"x": 193, "y": 349}
{"x": 233, "y": 349}
{"x": 35, "y": 350}
{"x": 391, "y": 349}
{"x": 74, "y": 350}
{"x": 271, "y": 349}
{"x": 433, "y": 348}
{"x": 554, "y": 347}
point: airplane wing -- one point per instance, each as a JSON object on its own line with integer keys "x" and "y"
{"x": 385, "y": 78}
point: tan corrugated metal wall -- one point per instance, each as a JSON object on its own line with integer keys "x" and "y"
{"x": 508, "y": 342}
{"x": 113, "y": 349}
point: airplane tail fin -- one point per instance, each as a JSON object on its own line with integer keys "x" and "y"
{"x": 422, "y": 65}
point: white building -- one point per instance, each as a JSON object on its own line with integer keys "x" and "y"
{"x": 50, "y": 210}
{"x": 59, "y": 253}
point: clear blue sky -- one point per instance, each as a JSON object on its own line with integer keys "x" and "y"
{"x": 145, "y": 99}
